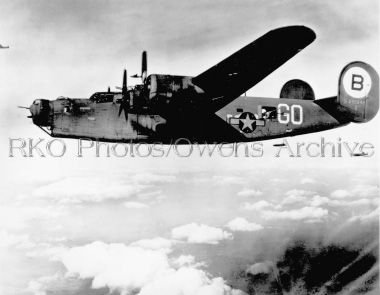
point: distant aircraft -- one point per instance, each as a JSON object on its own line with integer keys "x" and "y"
{"x": 362, "y": 154}
{"x": 210, "y": 108}
{"x": 3, "y": 47}
{"x": 279, "y": 144}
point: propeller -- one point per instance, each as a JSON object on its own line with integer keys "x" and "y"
{"x": 28, "y": 108}
{"x": 124, "y": 104}
{"x": 144, "y": 68}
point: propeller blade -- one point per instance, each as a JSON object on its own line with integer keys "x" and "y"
{"x": 126, "y": 113}
{"x": 123, "y": 107}
{"x": 144, "y": 66}
{"x": 120, "y": 108}
{"x": 21, "y": 107}
{"x": 118, "y": 87}
{"x": 124, "y": 87}
{"x": 124, "y": 93}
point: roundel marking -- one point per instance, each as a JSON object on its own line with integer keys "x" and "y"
{"x": 357, "y": 82}
{"x": 247, "y": 122}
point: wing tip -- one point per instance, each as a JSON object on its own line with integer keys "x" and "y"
{"x": 300, "y": 31}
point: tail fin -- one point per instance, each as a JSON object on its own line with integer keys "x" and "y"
{"x": 358, "y": 94}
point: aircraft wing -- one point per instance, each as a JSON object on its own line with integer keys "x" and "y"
{"x": 245, "y": 68}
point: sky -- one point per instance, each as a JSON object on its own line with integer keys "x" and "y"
{"x": 193, "y": 225}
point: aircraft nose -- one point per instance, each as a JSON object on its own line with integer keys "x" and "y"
{"x": 40, "y": 112}
{"x": 33, "y": 110}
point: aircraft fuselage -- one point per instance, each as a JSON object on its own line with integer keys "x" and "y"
{"x": 245, "y": 119}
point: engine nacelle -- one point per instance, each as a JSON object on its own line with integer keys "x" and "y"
{"x": 358, "y": 93}
{"x": 297, "y": 89}
{"x": 167, "y": 86}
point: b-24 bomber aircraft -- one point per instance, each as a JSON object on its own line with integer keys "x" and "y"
{"x": 210, "y": 108}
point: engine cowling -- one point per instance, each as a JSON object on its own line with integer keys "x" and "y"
{"x": 167, "y": 86}
{"x": 297, "y": 89}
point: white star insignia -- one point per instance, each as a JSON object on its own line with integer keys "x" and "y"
{"x": 247, "y": 122}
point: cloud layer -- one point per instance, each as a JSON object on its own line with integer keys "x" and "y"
{"x": 242, "y": 224}
{"x": 200, "y": 234}
{"x": 142, "y": 268}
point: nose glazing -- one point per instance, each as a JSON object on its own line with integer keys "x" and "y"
{"x": 34, "y": 110}
{"x": 40, "y": 112}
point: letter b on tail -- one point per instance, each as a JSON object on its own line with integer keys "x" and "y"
{"x": 358, "y": 95}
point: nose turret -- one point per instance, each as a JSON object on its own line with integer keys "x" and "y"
{"x": 40, "y": 112}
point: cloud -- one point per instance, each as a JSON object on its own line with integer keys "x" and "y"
{"x": 371, "y": 216}
{"x": 200, "y": 234}
{"x": 304, "y": 205}
{"x": 135, "y": 270}
{"x": 354, "y": 203}
{"x": 360, "y": 191}
{"x": 31, "y": 247}
{"x": 296, "y": 196}
{"x": 242, "y": 224}
{"x": 184, "y": 260}
{"x": 188, "y": 281}
{"x": 260, "y": 205}
{"x": 37, "y": 287}
{"x": 260, "y": 267}
{"x": 154, "y": 196}
{"x": 360, "y": 209}
{"x": 9, "y": 240}
{"x": 302, "y": 214}
{"x": 87, "y": 189}
{"x": 53, "y": 253}
{"x": 79, "y": 189}
{"x": 307, "y": 180}
{"x": 153, "y": 178}
{"x": 340, "y": 194}
{"x": 49, "y": 284}
{"x": 366, "y": 191}
{"x": 115, "y": 265}
{"x": 135, "y": 205}
{"x": 294, "y": 199}
{"x": 154, "y": 244}
{"x": 227, "y": 180}
{"x": 250, "y": 193}
{"x": 317, "y": 201}
{"x": 17, "y": 217}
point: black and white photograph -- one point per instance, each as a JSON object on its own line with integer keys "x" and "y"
{"x": 189, "y": 147}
